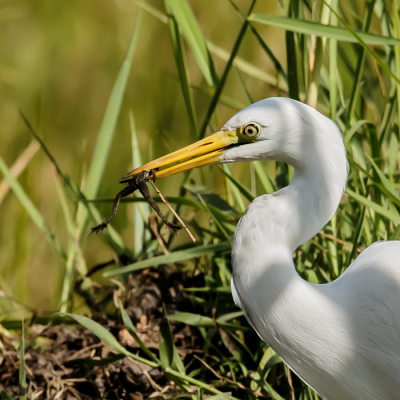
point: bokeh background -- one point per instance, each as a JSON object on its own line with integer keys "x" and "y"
{"x": 59, "y": 61}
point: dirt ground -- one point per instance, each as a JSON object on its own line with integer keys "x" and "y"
{"x": 70, "y": 362}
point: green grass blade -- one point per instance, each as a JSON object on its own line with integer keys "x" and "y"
{"x": 69, "y": 222}
{"x": 221, "y": 83}
{"x": 229, "y": 316}
{"x": 111, "y": 237}
{"x": 108, "y": 339}
{"x": 68, "y": 279}
{"x": 141, "y": 212}
{"x": 238, "y": 348}
{"x": 317, "y": 29}
{"x": 222, "y": 396}
{"x": 234, "y": 188}
{"x": 263, "y": 45}
{"x": 192, "y": 319}
{"x": 192, "y": 32}
{"x": 396, "y": 30}
{"x": 152, "y": 10}
{"x": 221, "y": 228}
{"x": 353, "y": 129}
{"x": 69, "y": 269}
{"x": 204, "y": 322}
{"x": 131, "y": 329}
{"x": 291, "y": 62}
{"x": 373, "y": 206}
{"x": 195, "y": 382}
{"x": 312, "y": 95}
{"x": 267, "y": 183}
{"x": 33, "y": 212}
{"x": 168, "y": 352}
{"x": 277, "y": 64}
{"x": 385, "y": 181}
{"x": 179, "y": 55}
{"x": 109, "y": 122}
{"x": 166, "y": 342}
{"x": 270, "y": 363}
{"x": 66, "y": 178}
{"x": 214, "y": 202}
{"x": 356, "y": 237}
{"x": 388, "y": 112}
{"x": 227, "y": 101}
{"x": 386, "y": 188}
{"x": 176, "y": 256}
{"x": 269, "y": 389}
{"x": 248, "y": 95}
{"x": 22, "y": 373}
{"x": 318, "y": 65}
{"x": 224, "y": 272}
{"x": 5, "y": 395}
{"x": 19, "y": 166}
{"x": 7, "y": 305}
{"x": 360, "y": 62}
{"x": 245, "y": 66}
{"x": 359, "y": 37}
{"x": 242, "y": 189}
{"x": 333, "y": 69}
{"x": 240, "y": 63}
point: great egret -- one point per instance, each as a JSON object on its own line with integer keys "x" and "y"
{"x": 341, "y": 338}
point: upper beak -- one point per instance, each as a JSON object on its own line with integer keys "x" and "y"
{"x": 204, "y": 152}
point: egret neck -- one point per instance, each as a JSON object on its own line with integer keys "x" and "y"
{"x": 342, "y": 337}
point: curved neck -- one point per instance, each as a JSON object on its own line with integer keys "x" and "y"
{"x": 272, "y": 295}
{"x": 274, "y": 225}
{"x": 279, "y": 304}
{"x": 311, "y": 200}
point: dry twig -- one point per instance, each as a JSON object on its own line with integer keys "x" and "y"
{"x": 289, "y": 378}
{"x": 340, "y": 241}
{"x": 19, "y": 166}
{"x": 173, "y": 211}
{"x": 154, "y": 228}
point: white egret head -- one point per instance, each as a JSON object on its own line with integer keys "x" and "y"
{"x": 271, "y": 129}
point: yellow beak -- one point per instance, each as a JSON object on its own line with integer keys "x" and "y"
{"x": 204, "y": 152}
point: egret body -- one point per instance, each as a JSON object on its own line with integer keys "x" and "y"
{"x": 341, "y": 338}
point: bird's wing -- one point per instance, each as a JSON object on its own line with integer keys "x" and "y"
{"x": 369, "y": 294}
{"x": 238, "y": 303}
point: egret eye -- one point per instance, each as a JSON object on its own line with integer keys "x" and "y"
{"x": 251, "y": 130}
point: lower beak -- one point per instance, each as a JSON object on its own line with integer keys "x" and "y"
{"x": 207, "y": 151}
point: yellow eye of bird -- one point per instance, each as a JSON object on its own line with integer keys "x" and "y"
{"x": 251, "y": 130}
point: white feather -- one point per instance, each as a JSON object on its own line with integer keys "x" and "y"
{"x": 342, "y": 338}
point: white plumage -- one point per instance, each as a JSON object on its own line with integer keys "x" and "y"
{"x": 341, "y": 338}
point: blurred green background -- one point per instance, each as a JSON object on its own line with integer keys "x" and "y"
{"x": 58, "y": 63}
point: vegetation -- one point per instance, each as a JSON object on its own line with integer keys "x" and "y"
{"x": 154, "y": 299}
